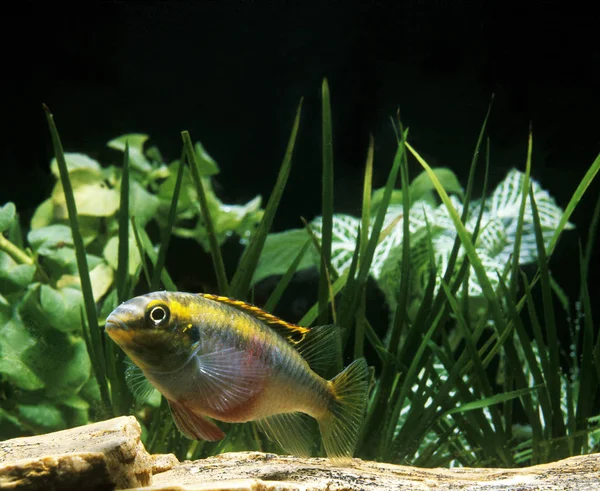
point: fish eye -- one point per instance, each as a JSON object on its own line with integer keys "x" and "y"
{"x": 158, "y": 315}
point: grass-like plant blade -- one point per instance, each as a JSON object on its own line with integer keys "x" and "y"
{"x": 480, "y": 376}
{"x": 450, "y": 268}
{"x": 166, "y": 235}
{"x": 141, "y": 250}
{"x": 574, "y": 201}
{"x": 474, "y": 160}
{"x": 326, "y": 272}
{"x": 588, "y": 382}
{"x": 366, "y": 201}
{"x": 121, "y": 396}
{"x": 123, "y": 250}
{"x": 97, "y": 353}
{"x": 526, "y": 346}
{"x": 514, "y": 277}
{"x": 409, "y": 381}
{"x": 363, "y": 240}
{"x": 313, "y": 312}
{"x": 145, "y": 248}
{"x": 490, "y": 401}
{"x": 275, "y": 296}
{"x": 398, "y": 322}
{"x": 400, "y": 314}
{"x": 243, "y": 275}
{"x": 553, "y": 375}
{"x": 588, "y": 254}
{"x": 327, "y": 204}
{"x": 465, "y": 238}
{"x": 215, "y": 250}
{"x": 151, "y": 253}
{"x": 349, "y": 301}
{"x": 359, "y": 331}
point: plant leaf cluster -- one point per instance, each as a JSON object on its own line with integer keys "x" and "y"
{"x": 468, "y": 371}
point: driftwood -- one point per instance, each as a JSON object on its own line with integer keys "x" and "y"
{"x": 109, "y": 455}
{"x": 258, "y": 471}
{"x": 99, "y": 456}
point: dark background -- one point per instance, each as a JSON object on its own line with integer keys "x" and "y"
{"x": 232, "y": 73}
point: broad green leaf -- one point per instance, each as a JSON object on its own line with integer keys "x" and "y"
{"x": 137, "y": 158}
{"x": 76, "y": 402}
{"x": 143, "y": 205}
{"x": 7, "y": 215}
{"x": 187, "y": 203}
{"x": 111, "y": 253}
{"x": 279, "y": 252}
{"x": 13, "y": 276}
{"x": 92, "y": 196}
{"x": 101, "y": 277}
{"x": 76, "y": 161}
{"x": 421, "y": 186}
{"x": 47, "y": 240}
{"x": 62, "y": 307}
{"x": 43, "y": 215}
{"x": 344, "y": 239}
{"x": 206, "y": 164}
{"x": 15, "y": 340}
{"x": 61, "y": 361}
{"x": 43, "y": 416}
{"x": 377, "y": 196}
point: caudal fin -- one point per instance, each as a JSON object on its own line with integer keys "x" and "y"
{"x": 342, "y": 423}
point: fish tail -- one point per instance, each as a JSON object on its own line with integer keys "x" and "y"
{"x": 341, "y": 424}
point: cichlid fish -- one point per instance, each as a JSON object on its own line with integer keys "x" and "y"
{"x": 223, "y": 359}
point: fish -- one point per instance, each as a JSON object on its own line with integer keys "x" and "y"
{"x": 217, "y": 359}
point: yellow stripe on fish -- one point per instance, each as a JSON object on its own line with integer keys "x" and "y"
{"x": 217, "y": 358}
{"x": 294, "y": 334}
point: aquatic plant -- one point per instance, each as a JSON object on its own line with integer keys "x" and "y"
{"x": 467, "y": 372}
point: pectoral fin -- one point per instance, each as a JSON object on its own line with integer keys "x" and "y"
{"x": 193, "y": 425}
{"x": 228, "y": 378}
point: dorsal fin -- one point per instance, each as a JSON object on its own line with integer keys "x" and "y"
{"x": 291, "y": 332}
{"x": 320, "y": 347}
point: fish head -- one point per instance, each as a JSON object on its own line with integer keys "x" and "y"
{"x": 155, "y": 331}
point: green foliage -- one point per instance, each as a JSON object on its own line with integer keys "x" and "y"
{"x": 49, "y": 350}
{"x": 467, "y": 372}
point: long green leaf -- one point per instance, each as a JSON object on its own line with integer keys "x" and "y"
{"x": 574, "y": 201}
{"x": 97, "y": 354}
{"x": 465, "y": 238}
{"x": 141, "y": 250}
{"x": 349, "y": 301}
{"x": 243, "y": 275}
{"x": 313, "y": 312}
{"x": 361, "y": 321}
{"x": 167, "y": 232}
{"x": 489, "y": 401}
{"x": 327, "y": 203}
{"x": 123, "y": 258}
{"x": 514, "y": 277}
{"x": 274, "y": 298}
{"x": 215, "y": 250}
{"x": 553, "y": 374}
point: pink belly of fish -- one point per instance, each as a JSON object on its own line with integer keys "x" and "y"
{"x": 278, "y": 396}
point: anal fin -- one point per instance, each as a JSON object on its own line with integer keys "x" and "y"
{"x": 292, "y": 431}
{"x": 194, "y": 426}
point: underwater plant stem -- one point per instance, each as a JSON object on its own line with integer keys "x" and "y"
{"x": 13, "y": 251}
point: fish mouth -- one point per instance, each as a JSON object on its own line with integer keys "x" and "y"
{"x": 117, "y": 329}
